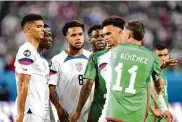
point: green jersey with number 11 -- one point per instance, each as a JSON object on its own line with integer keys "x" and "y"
{"x": 130, "y": 67}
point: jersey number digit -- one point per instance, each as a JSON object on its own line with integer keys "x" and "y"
{"x": 80, "y": 79}
{"x": 132, "y": 72}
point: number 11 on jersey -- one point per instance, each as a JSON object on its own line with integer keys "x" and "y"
{"x": 132, "y": 72}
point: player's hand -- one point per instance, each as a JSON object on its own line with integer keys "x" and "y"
{"x": 168, "y": 116}
{"x": 156, "y": 112}
{"x": 75, "y": 117}
{"x": 19, "y": 118}
{"x": 63, "y": 115}
{"x": 170, "y": 62}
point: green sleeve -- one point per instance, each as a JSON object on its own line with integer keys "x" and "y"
{"x": 90, "y": 71}
{"x": 156, "y": 74}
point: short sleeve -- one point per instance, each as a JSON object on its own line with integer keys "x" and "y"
{"x": 90, "y": 71}
{"x": 24, "y": 61}
{"x": 54, "y": 72}
{"x": 156, "y": 74}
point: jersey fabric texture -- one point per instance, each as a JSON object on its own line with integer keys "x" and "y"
{"x": 130, "y": 67}
{"x": 29, "y": 61}
{"x": 67, "y": 73}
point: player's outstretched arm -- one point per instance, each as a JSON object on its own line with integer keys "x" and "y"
{"x": 84, "y": 94}
{"x": 23, "y": 83}
{"x": 62, "y": 114}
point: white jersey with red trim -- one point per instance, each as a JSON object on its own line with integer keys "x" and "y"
{"x": 28, "y": 61}
{"x": 67, "y": 73}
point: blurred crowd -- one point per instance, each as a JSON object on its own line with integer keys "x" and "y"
{"x": 161, "y": 18}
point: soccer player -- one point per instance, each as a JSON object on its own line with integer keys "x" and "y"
{"x": 96, "y": 35}
{"x": 47, "y": 42}
{"x": 67, "y": 73}
{"x": 112, "y": 29}
{"x": 155, "y": 114}
{"x": 131, "y": 66}
{"x": 31, "y": 73}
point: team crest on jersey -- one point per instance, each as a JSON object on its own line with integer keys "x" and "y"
{"x": 102, "y": 66}
{"x": 79, "y": 67}
{"x": 27, "y": 53}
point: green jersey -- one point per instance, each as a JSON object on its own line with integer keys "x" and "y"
{"x": 93, "y": 72}
{"x": 130, "y": 67}
{"x": 151, "y": 117}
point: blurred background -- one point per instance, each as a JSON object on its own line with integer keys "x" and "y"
{"x": 163, "y": 21}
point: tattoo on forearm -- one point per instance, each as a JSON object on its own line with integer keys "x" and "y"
{"x": 84, "y": 94}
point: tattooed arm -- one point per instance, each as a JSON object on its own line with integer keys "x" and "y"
{"x": 84, "y": 94}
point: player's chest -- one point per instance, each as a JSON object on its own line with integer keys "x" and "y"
{"x": 74, "y": 67}
{"x": 40, "y": 66}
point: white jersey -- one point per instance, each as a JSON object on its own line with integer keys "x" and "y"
{"x": 67, "y": 73}
{"x": 28, "y": 61}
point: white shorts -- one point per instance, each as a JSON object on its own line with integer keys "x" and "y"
{"x": 32, "y": 118}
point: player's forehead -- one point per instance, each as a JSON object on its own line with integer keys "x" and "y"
{"x": 97, "y": 32}
{"x": 110, "y": 28}
{"x": 38, "y": 22}
{"x": 48, "y": 30}
{"x": 164, "y": 51}
{"x": 75, "y": 30}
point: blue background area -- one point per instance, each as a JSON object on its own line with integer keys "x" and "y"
{"x": 174, "y": 85}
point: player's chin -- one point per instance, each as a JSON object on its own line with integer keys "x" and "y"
{"x": 78, "y": 47}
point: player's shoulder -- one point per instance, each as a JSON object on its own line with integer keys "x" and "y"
{"x": 60, "y": 57}
{"x": 148, "y": 51}
{"x": 86, "y": 53}
{"x": 99, "y": 53}
{"x": 25, "y": 47}
{"x": 137, "y": 47}
{"x": 26, "y": 50}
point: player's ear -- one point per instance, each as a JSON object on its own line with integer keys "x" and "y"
{"x": 26, "y": 28}
{"x": 120, "y": 32}
{"x": 90, "y": 41}
{"x": 66, "y": 38}
{"x": 129, "y": 35}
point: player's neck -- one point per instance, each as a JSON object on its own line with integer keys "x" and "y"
{"x": 134, "y": 41}
{"x": 40, "y": 49}
{"x": 33, "y": 41}
{"x": 94, "y": 50}
{"x": 74, "y": 52}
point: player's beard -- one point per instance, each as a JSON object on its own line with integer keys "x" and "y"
{"x": 72, "y": 47}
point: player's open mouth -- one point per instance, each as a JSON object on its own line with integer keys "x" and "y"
{"x": 100, "y": 44}
{"x": 78, "y": 44}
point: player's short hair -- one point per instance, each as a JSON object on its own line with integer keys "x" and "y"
{"x": 93, "y": 27}
{"x": 137, "y": 29}
{"x": 30, "y": 18}
{"x": 46, "y": 26}
{"x": 160, "y": 46}
{"x": 115, "y": 21}
{"x": 70, "y": 24}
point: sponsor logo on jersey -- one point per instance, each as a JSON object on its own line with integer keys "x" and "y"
{"x": 27, "y": 53}
{"x": 25, "y": 61}
{"x": 102, "y": 66}
{"x": 79, "y": 67}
